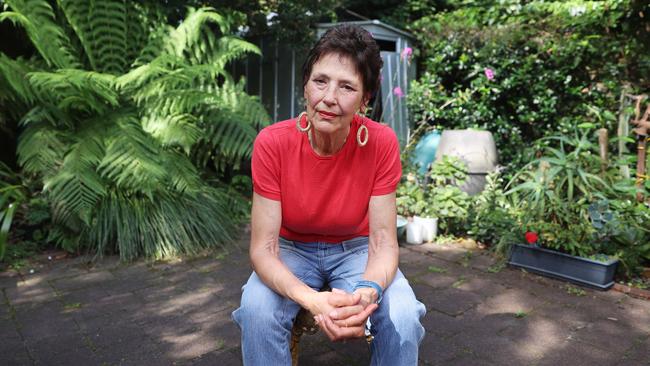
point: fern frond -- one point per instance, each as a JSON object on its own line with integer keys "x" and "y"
{"x": 186, "y": 35}
{"x": 76, "y": 187}
{"x": 230, "y": 48}
{"x": 86, "y": 91}
{"x": 14, "y": 72}
{"x": 173, "y": 130}
{"x": 41, "y": 146}
{"x": 101, "y": 26}
{"x": 182, "y": 175}
{"x": 38, "y": 20}
{"x": 132, "y": 159}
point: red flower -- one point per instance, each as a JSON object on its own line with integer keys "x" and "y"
{"x": 531, "y": 237}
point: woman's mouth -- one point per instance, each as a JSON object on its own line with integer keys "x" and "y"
{"x": 327, "y": 115}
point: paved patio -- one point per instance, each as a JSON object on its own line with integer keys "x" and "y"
{"x": 69, "y": 312}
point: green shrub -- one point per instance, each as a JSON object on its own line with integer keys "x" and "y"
{"x": 529, "y": 69}
{"x": 126, "y": 119}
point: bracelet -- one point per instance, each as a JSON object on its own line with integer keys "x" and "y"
{"x": 370, "y": 284}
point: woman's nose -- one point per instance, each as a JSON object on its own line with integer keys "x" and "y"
{"x": 330, "y": 95}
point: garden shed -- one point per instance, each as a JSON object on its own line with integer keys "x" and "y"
{"x": 276, "y": 77}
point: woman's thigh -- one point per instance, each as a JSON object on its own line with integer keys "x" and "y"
{"x": 260, "y": 301}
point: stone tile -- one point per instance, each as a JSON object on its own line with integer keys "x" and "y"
{"x": 482, "y": 261}
{"x": 352, "y": 352}
{"x": 436, "y": 350}
{"x": 109, "y": 263}
{"x": 107, "y": 309}
{"x": 331, "y": 358}
{"x": 206, "y": 265}
{"x": 529, "y": 331}
{"x": 313, "y": 345}
{"x": 125, "y": 285}
{"x": 45, "y": 321}
{"x": 608, "y": 335}
{"x": 229, "y": 357}
{"x": 8, "y": 329}
{"x": 481, "y": 286}
{"x": 32, "y": 292}
{"x": 62, "y": 269}
{"x": 62, "y": 350}
{"x": 468, "y": 359}
{"x": 441, "y": 325}
{"x": 182, "y": 340}
{"x": 578, "y": 354}
{"x": 12, "y": 349}
{"x": 446, "y": 252}
{"x": 510, "y": 301}
{"x": 124, "y": 345}
{"x": 437, "y": 280}
{"x": 171, "y": 300}
{"x": 640, "y": 353}
{"x": 450, "y": 301}
{"x": 8, "y": 280}
{"x": 83, "y": 281}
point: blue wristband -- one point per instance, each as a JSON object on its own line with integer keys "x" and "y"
{"x": 370, "y": 284}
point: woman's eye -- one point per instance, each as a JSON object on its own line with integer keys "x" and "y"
{"x": 319, "y": 81}
{"x": 348, "y": 88}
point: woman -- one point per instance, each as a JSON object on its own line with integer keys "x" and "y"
{"x": 324, "y": 214}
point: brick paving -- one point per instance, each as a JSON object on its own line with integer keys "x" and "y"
{"x": 72, "y": 312}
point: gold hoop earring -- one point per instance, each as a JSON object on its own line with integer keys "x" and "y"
{"x": 359, "y": 131}
{"x": 300, "y": 128}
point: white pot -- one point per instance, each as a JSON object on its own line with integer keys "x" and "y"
{"x": 429, "y": 227}
{"x": 413, "y": 233}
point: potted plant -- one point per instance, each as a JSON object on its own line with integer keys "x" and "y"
{"x": 553, "y": 197}
{"x": 596, "y": 271}
{"x": 426, "y": 200}
{"x": 411, "y": 203}
{"x": 446, "y": 201}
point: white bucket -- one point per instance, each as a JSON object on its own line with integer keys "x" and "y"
{"x": 429, "y": 227}
{"x": 413, "y": 233}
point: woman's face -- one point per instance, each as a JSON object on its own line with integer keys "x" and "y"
{"x": 334, "y": 93}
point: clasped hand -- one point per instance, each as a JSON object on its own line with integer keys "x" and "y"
{"x": 341, "y": 315}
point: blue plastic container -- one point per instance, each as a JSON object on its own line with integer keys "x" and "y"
{"x": 425, "y": 151}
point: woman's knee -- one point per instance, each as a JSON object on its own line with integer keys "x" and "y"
{"x": 400, "y": 309}
{"x": 260, "y": 306}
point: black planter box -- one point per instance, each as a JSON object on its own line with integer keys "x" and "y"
{"x": 568, "y": 267}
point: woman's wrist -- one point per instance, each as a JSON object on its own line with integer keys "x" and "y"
{"x": 370, "y": 287}
{"x": 368, "y": 295}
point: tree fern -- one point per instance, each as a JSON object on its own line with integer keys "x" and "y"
{"x": 122, "y": 145}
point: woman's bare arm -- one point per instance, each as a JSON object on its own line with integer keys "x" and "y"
{"x": 383, "y": 250}
{"x": 266, "y": 219}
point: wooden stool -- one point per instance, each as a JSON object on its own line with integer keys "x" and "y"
{"x": 305, "y": 323}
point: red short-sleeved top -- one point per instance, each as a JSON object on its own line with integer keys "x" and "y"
{"x": 324, "y": 198}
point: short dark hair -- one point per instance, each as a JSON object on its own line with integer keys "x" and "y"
{"x": 357, "y": 44}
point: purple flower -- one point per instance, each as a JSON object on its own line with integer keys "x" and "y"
{"x": 489, "y": 74}
{"x": 398, "y": 92}
{"x": 406, "y": 53}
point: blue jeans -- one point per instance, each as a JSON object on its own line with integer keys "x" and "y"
{"x": 266, "y": 318}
